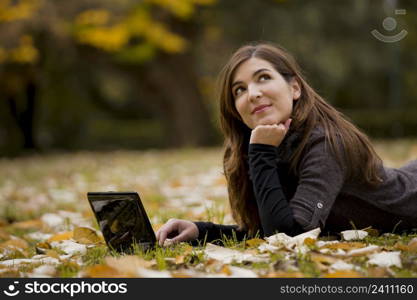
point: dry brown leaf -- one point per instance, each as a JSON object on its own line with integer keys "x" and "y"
{"x": 309, "y": 242}
{"x": 401, "y": 246}
{"x": 85, "y": 235}
{"x": 412, "y": 245}
{"x": 61, "y": 236}
{"x": 175, "y": 183}
{"x": 344, "y": 245}
{"x": 179, "y": 274}
{"x": 226, "y": 270}
{"x": 321, "y": 258}
{"x": 378, "y": 272}
{"x": 179, "y": 259}
{"x": 15, "y": 243}
{"x": 284, "y": 275}
{"x": 128, "y": 264}
{"x": 102, "y": 271}
{"x": 363, "y": 251}
{"x": 42, "y": 247}
{"x": 343, "y": 274}
{"x": 4, "y": 235}
{"x": 254, "y": 242}
{"x": 37, "y": 224}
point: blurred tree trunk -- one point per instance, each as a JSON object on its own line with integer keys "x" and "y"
{"x": 23, "y": 112}
{"x": 185, "y": 115}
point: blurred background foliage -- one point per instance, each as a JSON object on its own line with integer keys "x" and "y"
{"x": 111, "y": 74}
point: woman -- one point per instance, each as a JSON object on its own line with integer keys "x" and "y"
{"x": 293, "y": 162}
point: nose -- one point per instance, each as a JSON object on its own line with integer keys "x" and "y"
{"x": 254, "y": 93}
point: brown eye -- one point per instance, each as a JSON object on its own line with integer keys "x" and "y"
{"x": 238, "y": 91}
{"x": 264, "y": 77}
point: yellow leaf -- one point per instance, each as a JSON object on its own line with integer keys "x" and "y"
{"x": 179, "y": 274}
{"x": 84, "y": 235}
{"x": 327, "y": 259}
{"x": 41, "y": 247}
{"x": 179, "y": 259}
{"x": 226, "y": 270}
{"x": 343, "y": 274}
{"x": 128, "y": 264}
{"x": 102, "y": 271}
{"x": 52, "y": 253}
{"x": 254, "y": 242}
{"x": 280, "y": 274}
{"x": 28, "y": 224}
{"x": 309, "y": 241}
{"x": 61, "y": 236}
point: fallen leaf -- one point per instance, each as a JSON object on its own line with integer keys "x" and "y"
{"x": 4, "y": 235}
{"x": 102, "y": 271}
{"x": 226, "y": 270}
{"x": 241, "y": 272}
{"x": 43, "y": 271}
{"x": 378, "y": 272}
{"x": 343, "y": 274}
{"x": 52, "y": 253}
{"x": 349, "y": 235}
{"x": 15, "y": 243}
{"x": 344, "y": 245}
{"x": 85, "y": 235}
{"x": 412, "y": 245}
{"x": 283, "y": 275}
{"x": 363, "y": 251}
{"x": 227, "y": 256}
{"x": 327, "y": 259}
{"x": 254, "y": 242}
{"x": 310, "y": 242}
{"x": 70, "y": 247}
{"x": 128, "y": 264}
{"x": 61, "y": 236}
{"x": 142, "y": 272}
{"x": 341, "y": 265}
{"x": 291, "y": 243}
{"x": 385, "y": 259}
{"x": 37, "y": 224}
{"x": 265, "y": 247}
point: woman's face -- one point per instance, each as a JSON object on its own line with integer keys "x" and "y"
{"x": 262, "y": 95}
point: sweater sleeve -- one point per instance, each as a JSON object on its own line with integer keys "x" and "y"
{"x": 273, "y": 208}
{"x": 210, "y": 232}
{"x": 320, "y": 181}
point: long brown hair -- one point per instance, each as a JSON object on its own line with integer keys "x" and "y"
{"x": 347, "y": 142}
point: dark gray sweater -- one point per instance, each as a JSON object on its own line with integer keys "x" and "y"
{"x": 320, "y": 195}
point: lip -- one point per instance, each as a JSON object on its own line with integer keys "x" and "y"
{"x": 260, "y": 108}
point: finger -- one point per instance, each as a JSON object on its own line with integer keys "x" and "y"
{"x": 162, "y": 237}
{"x": 183, "y": 236}
{"x": 287, "y": 124}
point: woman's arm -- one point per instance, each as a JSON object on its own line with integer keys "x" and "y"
{"x": 273, "y": 208}
{"x": 320, "y": 181}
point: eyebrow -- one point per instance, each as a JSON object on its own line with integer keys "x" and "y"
{"x": 253, "y": 75}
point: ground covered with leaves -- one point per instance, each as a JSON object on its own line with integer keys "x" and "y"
{"x": 47, "y": 228}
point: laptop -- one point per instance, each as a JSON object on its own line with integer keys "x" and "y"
{"x": 122, "y": 220}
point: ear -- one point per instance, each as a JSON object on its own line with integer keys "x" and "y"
{"x": 295, "y": 88}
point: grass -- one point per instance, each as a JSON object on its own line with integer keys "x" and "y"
{"x": 172, "y": 184}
